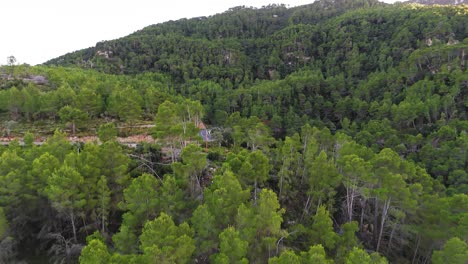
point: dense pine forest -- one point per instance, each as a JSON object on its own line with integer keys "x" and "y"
{"x": 334, "y": 132}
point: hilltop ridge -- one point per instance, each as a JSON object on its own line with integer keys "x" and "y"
{"x": 440, "y": 2}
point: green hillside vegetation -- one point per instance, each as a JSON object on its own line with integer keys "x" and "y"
{"x": 338, "y": 135}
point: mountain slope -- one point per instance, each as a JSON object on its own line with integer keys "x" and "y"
{"x": 239, "y": 32}
{"x": 350, "y": 115}
{"x": 245, "y": 44}
{"x": 440, "y": 2}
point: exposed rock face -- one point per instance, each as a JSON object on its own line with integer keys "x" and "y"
{"x": 37, "y": 79}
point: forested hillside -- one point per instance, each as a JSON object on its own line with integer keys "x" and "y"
{"x": 334, "y": 132}
{"x": 439, "y": 2}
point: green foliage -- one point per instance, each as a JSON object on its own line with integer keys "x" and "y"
{"x": 290, "y": 167}
{"x": 42, "y": 169}
{"x": 7, "y": 242}
{"x": 222, "y": 201}
{"x": 107, "y": 132}
{"x": 94, "y": 252}
{"x": 141, "y": 198}
{"x": 103, "y": 200}
{"x": 113, "y": 164}
{"x": 224, "y": 197}
{"x": 321, "y": 231}
{"x": 204, "y": 223}
{"x": 285, "y": 257}
{"x": 126, "y": 104}
{"x": 251, "y": 168}
{"x": 141, "y": 203}
{"x": 3, "y": 224}
{"x": 323, "y": 179}
{"x": 72, "y": 115}
{"x": 12, "y": 179}
{"x": 348, "y": 240}
{"x": 189, "y": 171}
{"x": 260, "y": 225}
{"x": 232, "y": 248}
{"x": 358, "y": 255}
{"x": 455, "y": 250}
{"x": 162, "y": 240}
{"x": 177, "y": 123}
{"x": 316, "y": 254}
{"x": 65, "y": 191}
{"x": 346, "y": 110}
{"x": 171, "y": 197}
{"x": 125, "y": 240}
{"x": 58, "y": 145}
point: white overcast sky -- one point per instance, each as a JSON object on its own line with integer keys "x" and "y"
{"x": 35, "y": 31}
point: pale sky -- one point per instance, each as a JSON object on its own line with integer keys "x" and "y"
{"x": 35, "y": 31}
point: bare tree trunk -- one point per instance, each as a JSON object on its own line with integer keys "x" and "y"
{"x": 376, "y": 220}
{"x": 391, "y": 235}
{"x": 172, "y": 154}
{"x": 198, "y": 184}
{"x": 73, "y": 128}
{"x": 416, "y": 250}
{"x": 255, "y": 192}
{"x": 349, "y": 203}
{"x": 103, "y": 216}
{"x": 280, "y": 188}
{"x": 303, "y": 172}
{"x": 382, "y": 222}
{"x": 103, "y": 223}
{"x": 304, "y": 151}
{"x": 189, "y": 116}
{"x": 84, "y": 224}
{"x": 463, "y": 59}
{"x": 72, "y": 218}
{"x": 363, "y": 206}
{"x": 306, "y": 207}
{"x": 319, "y": 203}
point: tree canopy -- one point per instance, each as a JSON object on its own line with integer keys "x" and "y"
{"x": 334, "y": 132}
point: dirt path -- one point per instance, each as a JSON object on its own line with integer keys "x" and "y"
{"x": 131, "y": 140}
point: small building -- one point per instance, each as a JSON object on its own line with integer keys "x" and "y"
{"x": 204, "y": 132}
